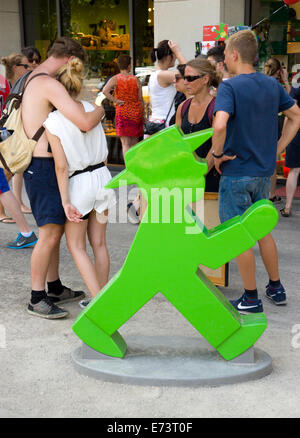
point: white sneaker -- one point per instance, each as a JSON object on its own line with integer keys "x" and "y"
{"x": 84, "y": 303}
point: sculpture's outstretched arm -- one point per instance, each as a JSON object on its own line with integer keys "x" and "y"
{"x": 230, "y": 239}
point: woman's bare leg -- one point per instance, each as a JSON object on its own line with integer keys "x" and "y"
{"x": 76, "y": 241}
{"x": 17, "y": 183}
{"x": 291, "y": 186}
{"x": 97, "y": 238}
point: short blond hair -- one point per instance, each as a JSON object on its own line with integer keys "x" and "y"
{"x": 245, "y": 43}
{"x": 10, "y": 61}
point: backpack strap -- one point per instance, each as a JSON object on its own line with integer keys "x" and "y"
{"x": 30, "y": 79}
{"x": 41, "y": 130}
{"x": 211, "y": 108}
{"x": 185, "y": 106}
{"x": 5, "y": 164}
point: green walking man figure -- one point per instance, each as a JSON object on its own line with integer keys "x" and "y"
{"x": 165, "y": 255}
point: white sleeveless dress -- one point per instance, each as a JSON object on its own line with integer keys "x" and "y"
{"x": 86, "y": 190}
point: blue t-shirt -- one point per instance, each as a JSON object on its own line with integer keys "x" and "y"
{"x": 295, "y": 94}
{"x": 253, "y": 102}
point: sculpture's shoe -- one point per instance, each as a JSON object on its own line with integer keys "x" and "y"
{"x": 252, "y": 327}
{"x": 97, "y": 339}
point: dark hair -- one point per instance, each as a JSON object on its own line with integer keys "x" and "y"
{"x": 181, "y": 68}
{"x": 123, "y": 62}
{"x": 163, "y": 50}
{"x": 65, "y": 47}
{"x": 30, "y": 52}
{"x": 217, "y": 53}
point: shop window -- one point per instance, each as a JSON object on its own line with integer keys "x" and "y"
{"x": 103, "y": 28}
{"x": 40, "y": 23}
{"x": 278, "y": 33}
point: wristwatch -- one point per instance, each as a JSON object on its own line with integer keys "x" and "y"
{"x": 217, "y": 156}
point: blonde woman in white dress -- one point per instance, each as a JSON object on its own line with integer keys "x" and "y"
{"x": 82, "y": 174}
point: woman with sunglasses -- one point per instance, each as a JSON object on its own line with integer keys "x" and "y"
{"x": 33, "y": 56}
{"x": 196, "y": 113}
{"x": 162, "y": 82}
{"x": 182, "y": 93}
{"x": 16, "y": 65}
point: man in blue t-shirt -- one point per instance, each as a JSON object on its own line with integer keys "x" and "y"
{"x": 245, "y": 149}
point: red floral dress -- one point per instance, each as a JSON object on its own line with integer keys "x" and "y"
{"x": 129, "y": 117}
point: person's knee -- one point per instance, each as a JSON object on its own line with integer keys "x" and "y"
{"x": 51, "y": 235}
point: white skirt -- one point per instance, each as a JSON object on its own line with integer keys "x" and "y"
{"x": 87, "y": 191}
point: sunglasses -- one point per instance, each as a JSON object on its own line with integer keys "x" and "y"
{"x": 34, "y": 60}
{"x": 192, "y": 78}
{"x": 26, "y": 66}
{"x": 178, "y": 77}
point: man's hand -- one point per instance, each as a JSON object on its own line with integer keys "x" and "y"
{"x": 73, "y": 215}
{"x": 219, "y": 161}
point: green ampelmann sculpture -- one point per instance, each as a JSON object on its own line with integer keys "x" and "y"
{"x": 165, "y": 255}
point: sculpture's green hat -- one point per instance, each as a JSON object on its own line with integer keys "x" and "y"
{"x": 160, "y": 155}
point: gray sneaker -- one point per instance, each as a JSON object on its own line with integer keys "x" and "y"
{"x": 46, "y": 309}
{"x": 67, "y": 296}
{"x": 23, "y": 242}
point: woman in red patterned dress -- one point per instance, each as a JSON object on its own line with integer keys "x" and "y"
{"x": 129, "y": 103}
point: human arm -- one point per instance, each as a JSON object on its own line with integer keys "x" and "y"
{"x": 219, "y": 138}
{"x": 62, "y": 175}
{"x": 290, "y": 128}
{"x": 59, "y": 98}
{"x": 107, "y": 91}
{"x": 284, "y": 78}
{"x": 167, "y": 77}
{"x": 177, "y": 51}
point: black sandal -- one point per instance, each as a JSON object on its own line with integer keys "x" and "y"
{"x": 275, "y": 199}
{"x": 285, "y": 212}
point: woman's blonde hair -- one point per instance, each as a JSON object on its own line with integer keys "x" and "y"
{"x": 272, "y": 66}
{"x": 9, "y": 62}
{"x": 203, "y": 66}
{"x": 71, "y": 75}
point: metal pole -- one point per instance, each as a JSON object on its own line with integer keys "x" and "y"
{"x": 132, "y": 34}
{"x": 58, "y": 15}
{"x": 21, "y": 19}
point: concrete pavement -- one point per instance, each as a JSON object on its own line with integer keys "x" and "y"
{"x": 37, "y": 377}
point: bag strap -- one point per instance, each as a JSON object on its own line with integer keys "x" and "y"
{"x": 170, "y": 108}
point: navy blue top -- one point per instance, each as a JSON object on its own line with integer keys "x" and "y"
{"x": 295, "y": 94}
{"x": 253, "y": 102}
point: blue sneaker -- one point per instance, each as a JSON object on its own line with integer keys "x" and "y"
{"x": 277, "y": 295}
{"x": 244, "y": 305}
{"x": 23, "y": 242}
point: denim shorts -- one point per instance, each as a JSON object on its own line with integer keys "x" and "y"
{"x": 237, "y": 194}
{"x": 4, "y": 187}
{"x": 43, "y": 193}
